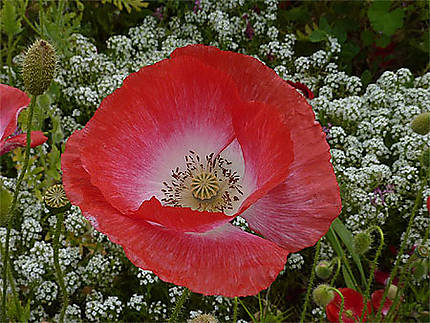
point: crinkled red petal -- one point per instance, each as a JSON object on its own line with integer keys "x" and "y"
{"x": 376, "y": 302}
{"x": 12, "y": 101}
{"x": 145, "y": 129}
{"x": 353, "y": 301}
{"x": 309, "y": 199}
{"x": 224, "y": 261}
{"x": 266, "y": 147}
{"x": 37, "y": 138}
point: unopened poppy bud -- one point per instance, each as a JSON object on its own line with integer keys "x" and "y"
{"x": 362, "y": 242}
{"x": 323, "y": 295}
{"x": 55, "y": 199}
{"x": 323, "y": 269}
{"x": 392, "y": 291}
{"x": 421, "y": 123}
{"x": 204, "y": 318}
{"x": 39, "y": 67}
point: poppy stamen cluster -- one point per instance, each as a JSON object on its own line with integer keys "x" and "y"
{"x": 210, "y": 186}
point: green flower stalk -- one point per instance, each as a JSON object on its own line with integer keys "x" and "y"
{"x": 56, "y": 201}
{"x": 39, "y": 67}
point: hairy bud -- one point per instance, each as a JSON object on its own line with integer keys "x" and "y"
{"x": 362, "y": 242}
{"x": 323, "y": 295}
{"x": 421, "y": 123}
{"x": 39, "y": 67}
{"x": 323, "y": 269}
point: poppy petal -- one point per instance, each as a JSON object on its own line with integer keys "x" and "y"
{"x": 299, "y": 211}
{"x": 353, "y": 306}
{"x": 12, "y": 101}
{"x": 266, "y": 148}
{"x": 145, "y": 129}
{"x": 376, "y": 301}
{"x": 37, "y": 138}
{"x": 236, "y": 263}
{"x": 311, "y": 187}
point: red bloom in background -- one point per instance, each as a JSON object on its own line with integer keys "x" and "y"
{"x": 187, "y": 144}
{"x": 353, "y": 305}
{"x": 12, "y": 101}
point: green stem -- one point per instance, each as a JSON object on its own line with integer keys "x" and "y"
{"x": 373, "y": 266}
{"x": 235, "y": 310}
{"x": 59, "y": 272}
{"x": 402, "y": 249}
{"x": 342, "y": 303}
{"x": 247, "y": 311}
{"x": 337, "y": 271}
{"x": 311, "y": 281}
{"x": 13, "y": 208}
{"x": 179, "y": 305}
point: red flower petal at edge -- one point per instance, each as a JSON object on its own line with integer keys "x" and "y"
{"x": 353, "y": 306}
{"x": 12, "y": 101}
{"x": 204, "y": 102}
{"x": 376, "y": 302}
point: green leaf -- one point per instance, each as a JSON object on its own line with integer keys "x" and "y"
{"x": 317, "y": 36}
{"x": 384, "y": 21}
{"x": 346, "y": 236}
{"x": 5, "y": 202}
{"x": 337, "y": 247}
{"x": 11, "y": 23}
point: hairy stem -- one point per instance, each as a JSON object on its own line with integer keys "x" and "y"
{"x": 13, "y": 208}
{"x": 402, "y": 249}
{"x": 59, "y": 272}
{"x": 373, "y": 266}
{"x": 311, "y": 281}
{"x": 179, "y": 305}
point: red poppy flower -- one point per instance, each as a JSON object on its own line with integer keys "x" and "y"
{"x": 12, "y": 101}
{"x": 185, "y": 145}
{"x": 352, "y": 308}
{"x": 353, "y": 305}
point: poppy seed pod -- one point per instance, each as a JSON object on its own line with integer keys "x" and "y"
{"x": 55, "y": 199}
{"x": 39, "y": 67}
{"x": 421, "y": 123}
{"x": 323, "y": 295}
{"x": 323, "y": 269}
{"x": 362, "y": 242}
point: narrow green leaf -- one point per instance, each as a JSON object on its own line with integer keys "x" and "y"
{"x": 347, "y": 238}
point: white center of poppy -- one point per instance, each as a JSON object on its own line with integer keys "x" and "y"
{"x": 205, "y": 185}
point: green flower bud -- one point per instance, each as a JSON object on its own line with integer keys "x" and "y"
{"x": 323, "y": 295}
{"x": 323, "y": 269}
{"x": 39, "y": 67}
{"x": 55, "y": 199}
{"x": 362, "y": 242}
{"x": 421, "y": 123}
{"x": 392, "y": 291}
{"x": 204, "y": 318}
